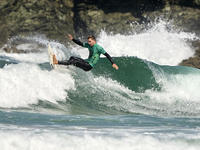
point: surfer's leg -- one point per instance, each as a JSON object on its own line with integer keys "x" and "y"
{"x": 81, "y": 63}
{"x": 78, "y": 62}
{"x": 72, "y": 60}
{"x": 67, "y": 62}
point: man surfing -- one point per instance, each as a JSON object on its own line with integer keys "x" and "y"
{"x": 94, "y": 54}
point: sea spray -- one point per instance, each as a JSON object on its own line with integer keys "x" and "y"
{"x": 161, "y": 44}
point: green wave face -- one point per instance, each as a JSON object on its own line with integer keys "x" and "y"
{"x": 133, "y": 73}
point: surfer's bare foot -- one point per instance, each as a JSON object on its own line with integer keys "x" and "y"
{"x": 55, "y": 61}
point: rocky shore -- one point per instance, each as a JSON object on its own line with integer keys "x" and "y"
{"x": 56, "y": 18}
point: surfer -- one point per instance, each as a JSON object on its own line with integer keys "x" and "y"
{"x": 94, "y": 53}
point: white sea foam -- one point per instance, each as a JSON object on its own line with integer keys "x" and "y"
{"x": 51, "y": 141}
{"x": 178, "y": 87}
{"x": 23, "y": 84}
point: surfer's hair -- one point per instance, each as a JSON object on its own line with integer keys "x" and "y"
{"x": 91, "y": 37}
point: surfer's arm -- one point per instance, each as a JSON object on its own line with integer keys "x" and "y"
{"x": 77, "y": 42}
{"x": 111, "y": 60}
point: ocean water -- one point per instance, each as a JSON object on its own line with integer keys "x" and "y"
{"x": 149, "y": 103}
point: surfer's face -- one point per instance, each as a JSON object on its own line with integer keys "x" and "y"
{"x": 91, "y": 42}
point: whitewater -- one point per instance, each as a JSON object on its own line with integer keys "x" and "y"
{"x": 149, "y": 103}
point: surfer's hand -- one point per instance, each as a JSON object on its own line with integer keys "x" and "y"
{"x": 70, "y": 36}
{"x": 115, "y": 66}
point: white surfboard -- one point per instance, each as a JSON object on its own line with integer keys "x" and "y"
{"x": 50, "y": 54}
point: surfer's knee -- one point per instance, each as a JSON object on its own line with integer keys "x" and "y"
{"x": 88, "y": 68}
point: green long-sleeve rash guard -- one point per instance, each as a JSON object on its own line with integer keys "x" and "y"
{"x": 94, "y": 52}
